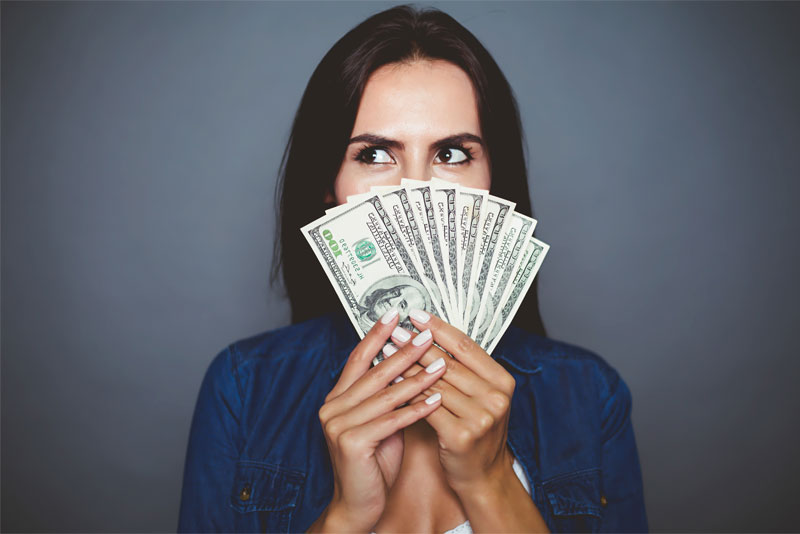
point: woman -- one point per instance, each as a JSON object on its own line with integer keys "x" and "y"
{"x": 295, "y": 431}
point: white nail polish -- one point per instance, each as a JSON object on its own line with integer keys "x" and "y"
{"x": 419, "y": 315}
{"x": 435, "y": 366}
{"x": 388, "y": 316}
{"x": 401, "y": 334}
{"x": 422, "y": 338}
{"x": 389, "y": 349}
{"x": 433, "y": 398}
{"x": 398, "y": 379}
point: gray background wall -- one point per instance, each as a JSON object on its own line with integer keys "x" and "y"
{"x": 139, "y": 148}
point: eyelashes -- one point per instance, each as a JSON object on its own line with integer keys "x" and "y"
{"x": 368, "y": 155}
{"x": 364, "y": 154}
{"x": 466, "y": 151}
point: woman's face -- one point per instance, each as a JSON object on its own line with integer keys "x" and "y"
{"x": 415, "y": 121}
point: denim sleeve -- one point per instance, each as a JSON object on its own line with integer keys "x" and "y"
{"x": 624, "y": 510}
{"x": 212, "y": 451}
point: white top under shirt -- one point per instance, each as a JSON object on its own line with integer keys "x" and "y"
{"x": 465, "y": 527}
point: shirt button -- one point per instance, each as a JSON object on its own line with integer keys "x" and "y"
{"x": 245, "y": 493}
{"x": 603, "y": 501}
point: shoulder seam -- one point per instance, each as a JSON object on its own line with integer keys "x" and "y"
{"x": 235, "y": 357}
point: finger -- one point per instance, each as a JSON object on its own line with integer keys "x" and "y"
{"x": 375, "y": 431}
{"x": 401, "y": 337}
{"x": 378, "y": 377}
{"x": 443, "y": 421}
{"x": 456, "y": 402}
{"x": 384, "y": 401}
{"x": 455, "y": 432}
{"x": 457, "y": 374}
{"x": 360, "y": 359}
{"x": 462, "y": 347}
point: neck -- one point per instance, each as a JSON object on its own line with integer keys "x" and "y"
{"x": 421, "y": 488}
{"x": 421, "y": 466}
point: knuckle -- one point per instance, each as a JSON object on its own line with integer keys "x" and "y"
{"x": 497, "y": 401}
{"x": 356, "y": 353}
{"x": 422, "y": 377}
{"x": 348, "y": 441}
{"x": 462, "y": 439}
{"x": 420, "y": 408}
{"x": 413, "y": 371}
{"x": 394, "y": 418}
{"x": 322, "y": 413}
{"x": 333, "y": 428}
{"x": 510, "y": 384}
{"x": 384, "y": 397}
{"x": 381, "y": 373}
{"x": 484, "y": 422}
{"x": 464, "y": 343}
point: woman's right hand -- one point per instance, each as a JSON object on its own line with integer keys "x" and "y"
{"x": 364, "y": 430}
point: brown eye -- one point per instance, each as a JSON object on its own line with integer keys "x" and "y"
{"x": 451, "y": 155}
{"x": 373, "y": 155}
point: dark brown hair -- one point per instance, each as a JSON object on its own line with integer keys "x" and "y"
{"x": 324, "y": 122}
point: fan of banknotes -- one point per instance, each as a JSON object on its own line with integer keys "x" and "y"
{"x": 457, "y": 252}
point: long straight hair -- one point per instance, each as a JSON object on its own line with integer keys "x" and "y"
{"x": 324, "y": 122}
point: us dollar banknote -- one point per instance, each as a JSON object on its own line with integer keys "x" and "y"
{"x": 515, "y": 293}
{"x": 498, "y": 211}
{"x": 507, "y": 257}
{"x": 421, "y": 196}
{"x": 457, "y": 252}
{"x": 368, "y": 264}
{"x": 470, "y": 205}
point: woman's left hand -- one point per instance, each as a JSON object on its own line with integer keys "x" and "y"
{"x": 472, "y": 421}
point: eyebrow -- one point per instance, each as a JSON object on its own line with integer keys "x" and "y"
{"x": 456, "y": 139}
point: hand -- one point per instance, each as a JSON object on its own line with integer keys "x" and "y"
{"x": 472, "y": 424}
{"x": 363, "y": 429}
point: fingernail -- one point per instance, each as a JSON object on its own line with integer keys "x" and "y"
{"x": 389, "y": 349}
{"x": 419, "y": 315}
{"x": 433, "y": 398}
{"x": 422, "y": 338}
{"x": 398, "y": 379}
{"x": 401, "y": 333}
{"x": 435, "y": 366}
{"x": 388, "y": 316}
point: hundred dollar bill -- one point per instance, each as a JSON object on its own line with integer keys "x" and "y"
{"x": 515, "y": 293}
{"x": 469, "y": 252}
{"x": 511, "y": 248}
{"x": 470, "y": 216}
{"x": 422, "y": 205}
{"x": 406, "y": 219}
{"x": 398, "y": 205}
{"x": 370, "y": 268}
{"x": 444, "y": 195}
{"x": 497, "y": 212}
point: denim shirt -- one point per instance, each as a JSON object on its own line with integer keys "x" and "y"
{"x": 257, "y": 459}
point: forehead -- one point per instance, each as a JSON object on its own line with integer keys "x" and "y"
{"x": 424, "y": 98}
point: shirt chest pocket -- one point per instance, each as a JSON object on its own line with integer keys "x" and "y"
{"x": 266, "y": 495}
{"x": 575, "y": 501}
